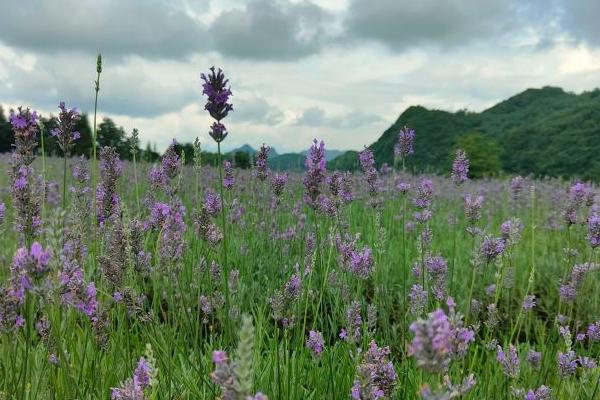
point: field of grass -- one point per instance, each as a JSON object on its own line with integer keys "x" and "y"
{"x": 176, "y": 287}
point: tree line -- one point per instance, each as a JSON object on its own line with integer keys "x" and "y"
{"x": 110, "y": 134}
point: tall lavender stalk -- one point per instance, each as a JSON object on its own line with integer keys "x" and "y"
{"x": 133, "y": 148}
{"x": 217, "y": 93}
{"x": 66, "y": 134}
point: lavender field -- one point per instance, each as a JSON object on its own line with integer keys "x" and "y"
{"x": 174, "y": 280}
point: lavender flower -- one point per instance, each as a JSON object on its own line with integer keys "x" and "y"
{"x": 353, "y": 331}
{"x": 594, "y": 230}
{"x": 315, "y": 343}
{"x": 216, "y": 90}
{"x": 511, "y": 230}
{"x": 517, "y": 184}
{"x": 27, "y": 197}
{"x": 283, "y": 301}
{"x": 375, "y": 375}
{"x": 424, "y": 194}
{"x": 65, "y": 133}
{"x": 437, "y": 268}
{"x": 367, "y": 163}
{"x": 534, "y": 358}
{"x": 278, "y": 183}
{"x": 491, "y": 248}
{"x": 528, "y": 302}
{"x": 315, "y": 173}
{"x": 228, "y": 179}
{"x": 473, "y": 208}
{"x": 541, "y": 393}
{"x": 432, "y": 345}
{"x": 28, "y": 268}
{"x": 2, "y": 213}
{"x": 510, "y": 363}
{"x": 460, "y": 168}
{"x": 262, "y": 167}
{"x": 404, "y": 146}
{"x": 417, "y": 299}
{"x": 133, "y": 388}
{"x": 107, "y": 198}
{"x": 567, "y": 363}
{"x": 24, "y": 124}
{"x": 569, "y": 290}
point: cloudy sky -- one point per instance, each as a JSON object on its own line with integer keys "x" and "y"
{"x": 340, "y": 70}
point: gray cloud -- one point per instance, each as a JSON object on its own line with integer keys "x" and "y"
{"x": 150, "y": 28}
{"x": 135, "y": 87}
{"x": 317, "y": 117}
{"x": 270, "y": 30}
{"x": 581, "y": 19}
{"x": 402, "y": 24}
{"x": 258, "y": 111}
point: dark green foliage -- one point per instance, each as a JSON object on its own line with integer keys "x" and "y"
{"x": 287, "y": 162}
{"x": 6, "y": 136}
{"x": 540, "y": 131}
{"x": 483, "y": 152}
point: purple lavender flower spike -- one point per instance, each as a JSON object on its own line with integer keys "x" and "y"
{"x": 460, "y": 168}
{"x": 65, "y": 133}
{"x": 315, "y": 173}
{"x": 216, "y": 90}
{"x": 404, "y": 147}
{"x": 315, "y": 343}
{"x": 24, "y": 124}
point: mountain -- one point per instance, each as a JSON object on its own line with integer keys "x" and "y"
{"x": 543, "y": 131}
{"x": 329, "y": 154}
{"x": 287, "y": 162}
{"x": 251, "y": 151}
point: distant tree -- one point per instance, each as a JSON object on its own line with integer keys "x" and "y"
{"x": 483, "y": 153}
{"x": 109, "y": 134}
{"x": 83, "y": 145}
{"x": 6, "y": 135}
{"x": 241, "y": 159}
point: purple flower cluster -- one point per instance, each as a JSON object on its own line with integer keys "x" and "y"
{"x": 491, "y": 248}
{"x": 315, "y": 173}
{"x": 27, "y": 197}
{"x": 424, "y": 194}
{"x": 65, "y": 132}
{"x": 206, "y": 228}
{"x": 367, "y": 163}
{"x": 510, "y": 363}
{"x": 437, "y": 268}
{"x": 568, "y": 290}
{"x": 108, "y": 202}
{"x": 404, "y": 146}
{"x": 228, "y": 179}
{"x": 225, "y": 375}
{"x": 133, "y": 388}
{"x": 460, "y": 168}
{"x": 74, "y": 290}
{"x": 24, "y": 124}
{"x": 315, "y": 343}
{"x": 579, "y": 195}
{"x": 216, "y": 90}
{"x": 594, "y": 230}
{"x": 262, "y": 166}
{"x": 358, "y": 262}
{"x": 473, "y": 208}
{"x": 375, "y": 375}
{"x": 283, "y": 302}
{"x": 438, "y": 339}
{"x": 28, "y": 268}
{"x": 353, "y": 331}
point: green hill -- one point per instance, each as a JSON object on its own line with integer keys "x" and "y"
{"x": 539, "y": 131}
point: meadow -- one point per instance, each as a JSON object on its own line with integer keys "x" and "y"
{"x": 129, "y": 280}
